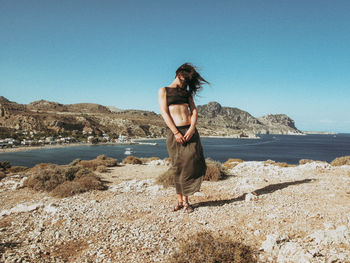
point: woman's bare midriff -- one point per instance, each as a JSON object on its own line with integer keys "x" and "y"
{"x": 180, "y": 113}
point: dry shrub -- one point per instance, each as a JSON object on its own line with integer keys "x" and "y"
{"x": 204, "y": 247}
{"x": 167, "y": 159}
{"x": 17, "y": 169}
{"x": 132, "y": 160}
{"x": 344, "y": 160}
{"x": 166, "y": 179}
{"x": 79, "y": 185}
{"x": 93, "y": 164}
{"x": 2, "y": 175}
{"x": 304, "y": 161}
{"x": 102, "y": 169}
{"x": 89, "y": 164}
{"x": 75, "y": 162}
{"x": 5, "y": 165}
{"x": 46, "y": 177}
{"x": 230, "y": 163}
{"x": 215, "y": 171}
{"x": 143, "y": 159}
{"x": 62, "y": 180}
{"x": 279, "y": 164}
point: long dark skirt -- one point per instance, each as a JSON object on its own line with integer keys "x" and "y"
{"x": 187, "y": 162}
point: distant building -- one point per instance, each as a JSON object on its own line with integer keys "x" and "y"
{"x": 11, "y": 141}
{"x": 106, "y": 137}
{"x": 49, "y": 140}
{"x": 123, "y": 139}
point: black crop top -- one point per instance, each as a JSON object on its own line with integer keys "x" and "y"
{"x": 176, "y": 96}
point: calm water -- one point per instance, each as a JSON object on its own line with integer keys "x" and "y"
{"x": 282, "y": 148}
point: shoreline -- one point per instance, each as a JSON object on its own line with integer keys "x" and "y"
{"x": 132, "y": 142}
{"x": 52, "y": 146}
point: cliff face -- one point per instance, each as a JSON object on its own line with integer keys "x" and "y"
{"x": 214, "y": 119}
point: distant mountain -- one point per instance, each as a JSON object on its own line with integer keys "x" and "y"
{"x": 55, "y": 117}
{"x": 224, "y": 120}
{"x": 44, "y": 105}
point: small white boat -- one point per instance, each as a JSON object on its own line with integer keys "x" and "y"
{"x": 128, "y": 151}
{"x": 148, "y": 143}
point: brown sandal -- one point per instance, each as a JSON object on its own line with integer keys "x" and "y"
{"x": 178, "y": 207}
{"x": 188, "y": 208}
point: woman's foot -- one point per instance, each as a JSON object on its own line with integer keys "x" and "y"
{"x": 178, "y": 207}
{"x": 188, "y": 208}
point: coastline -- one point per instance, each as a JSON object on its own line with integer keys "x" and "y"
{"x": 132, "y": 142}
{"x": 52, "y": 146}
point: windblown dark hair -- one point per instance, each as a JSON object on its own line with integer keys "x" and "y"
{"x": 192, "y": 79}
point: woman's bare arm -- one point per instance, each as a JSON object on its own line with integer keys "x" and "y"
{"x": 194, "y": 112}
{"x": 164, "y": 110}
{"x": 194, "y": 117}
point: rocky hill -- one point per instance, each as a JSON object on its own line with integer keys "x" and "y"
{"x": 223, "y": 119}
{"x": 214, "y": 119}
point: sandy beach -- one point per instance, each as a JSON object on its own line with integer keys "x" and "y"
{"x": 280, "y": 214}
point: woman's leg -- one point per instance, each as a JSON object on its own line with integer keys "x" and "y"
{"x": 188, "y": 207}
{"x": 180, "y": 198}
{"x": 186, "y": 199}
{"x": 180, "y": 203}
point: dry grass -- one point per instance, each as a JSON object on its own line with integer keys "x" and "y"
{"x": 166, "y": 179}
{"x": 6, "y": 168}
{"x": 63, "y": 180}
{"x": 102, "y": 169}
{"x": 279, "y": 164}
{"x": 204, "y": 247}
{"x": 75, "y": 162}
{"x": 79, "y": 185}
{"x": 269, "y": 162}
{"x": 215, "y": 171}
{"x": 17, "y": 169}
{"x": 132, "y": 160}
{"x": 5, "y": 165}
{"x": 93, "y": 164}
{"x": 46, "y": 177}
{"x": 2, "y": 175}
{"x": 230, "y": 163}
{"x": 344, "y": 160}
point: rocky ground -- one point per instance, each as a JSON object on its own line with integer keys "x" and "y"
{"x": 282, "y": 214}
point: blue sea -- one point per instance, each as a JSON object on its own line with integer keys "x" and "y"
{"x": 281, "y": 148}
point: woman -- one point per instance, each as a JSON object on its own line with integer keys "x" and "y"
{"x": 184, "y": 147}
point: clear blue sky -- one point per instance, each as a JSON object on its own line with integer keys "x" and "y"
{"x": 264, "y": 57}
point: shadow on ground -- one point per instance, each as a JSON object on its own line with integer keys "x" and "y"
{"x": 265, "y": 190}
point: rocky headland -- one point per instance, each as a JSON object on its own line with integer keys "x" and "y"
{"x": 263, "y": 212}
{"x": 54, "y": 117}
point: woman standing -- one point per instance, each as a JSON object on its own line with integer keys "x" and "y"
{"x": 184, "y": 147}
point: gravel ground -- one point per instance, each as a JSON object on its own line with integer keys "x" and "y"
{"x": 292, "y": 214}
